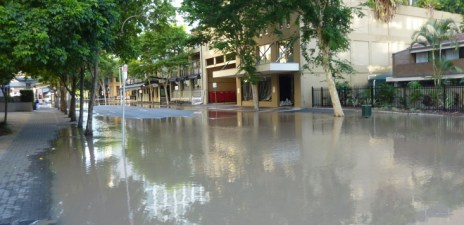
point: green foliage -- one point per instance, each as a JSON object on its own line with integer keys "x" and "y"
{"x": 453, "y": 6}
{"x": 415, "y": 93}
{"x": 232, "y": 26}
{"x": 27, "y": 95}
{"x": 163, "y": 52}
{"x": 385, "y": 94}
{"x": 329, "y": 23}
{"x": 343, "y": 85}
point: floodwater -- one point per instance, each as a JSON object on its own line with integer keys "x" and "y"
{"x": 248, "y": 168}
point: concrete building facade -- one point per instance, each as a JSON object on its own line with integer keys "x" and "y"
{"x": 214, "y": 77}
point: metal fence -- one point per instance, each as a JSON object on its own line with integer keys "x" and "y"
{"x": 445, "y": 98}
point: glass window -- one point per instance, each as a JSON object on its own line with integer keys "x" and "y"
{"x": 451, "y": 54}
{"x": 264, "y": 89}
{"x": 264, "y": 54}
{"x": 247, "y": 95}
{"x": 285, "y": 54}
{"x": 422, "y": 57}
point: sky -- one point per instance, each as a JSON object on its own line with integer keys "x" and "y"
{"x": 179, "y": 19}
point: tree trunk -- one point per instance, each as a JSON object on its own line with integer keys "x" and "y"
{"x": 88, "y": 128}
{"x": 81, "y": 100}
{"x": 72, "y": 105}
{"x": 337, "y": 106}
{"x": 254, "y": 92}
{"x": 166, "y": 93}
{"x": 6, "y": 95}
{"x": 63, "y": 100}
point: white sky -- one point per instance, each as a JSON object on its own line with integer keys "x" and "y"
{"x": 179, "y": 19}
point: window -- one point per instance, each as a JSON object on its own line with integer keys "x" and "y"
{"x": 219, "y": 59}
{"x": 285, "y": 54}
{"x": 210, "y": 61}
{"x": 451, "y": 54}
{"x": 264, "y": 89}
{"x": 422, "y": 57}
{"x": 246, "y": 91}
{"x": 186, "y": 84}
{"x": 264, "y": 52}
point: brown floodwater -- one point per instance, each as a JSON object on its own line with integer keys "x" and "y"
{"x": 246, "y": 168}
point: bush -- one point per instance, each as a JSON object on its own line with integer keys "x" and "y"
{"x": 26, "y": 95}
{"x": 385, "y": 94}
{"x": 415, "y": 93}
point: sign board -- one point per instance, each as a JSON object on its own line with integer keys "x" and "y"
{"x": 214, "y": 85}
{"x": 124, "y": 72}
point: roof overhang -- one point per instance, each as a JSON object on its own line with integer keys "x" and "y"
{"x": 428, "y": 48}
{"x": 418, "y": 78}
{"x": 271, "y": 68}
{"x": 263, "y": 69}
{"x": 134, "y": 86}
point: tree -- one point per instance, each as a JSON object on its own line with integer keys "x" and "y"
{"x": 164, "y": 52}
{"x": 384, "y": 10}
{"x": 452, "y": 6}
{"x": 328, "y": 23}
{"x": 232, "y": 27}
{"x": 434, "y": 33}
{"x": 22, "y": 40}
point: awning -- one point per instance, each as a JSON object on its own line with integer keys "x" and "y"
{"x": 194, "y": 76}
{"x": 421, "y": 78}
{"x": 134, "y": 86}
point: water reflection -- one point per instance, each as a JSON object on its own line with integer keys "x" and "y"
{"x": 263, "y": 168}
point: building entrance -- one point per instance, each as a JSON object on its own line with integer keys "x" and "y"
{"x": 286, "y": 91}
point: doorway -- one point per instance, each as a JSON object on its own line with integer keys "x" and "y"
{"x": 286, "y": 91}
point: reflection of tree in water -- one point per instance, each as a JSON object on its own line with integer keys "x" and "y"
{"x": 158, "y": 150}
{"x": 431, "y": 147}
{"x": 86, "y": 192}
{"x": 390, "y": 207}
{"x": 444, "y": 189}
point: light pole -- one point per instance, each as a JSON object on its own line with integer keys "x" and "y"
{"x": 120, "y": 87}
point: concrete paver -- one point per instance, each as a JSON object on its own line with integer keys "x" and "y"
{"x": 25, "y": 179}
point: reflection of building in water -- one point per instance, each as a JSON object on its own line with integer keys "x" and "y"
{"x": 236, "y": 141}
{"x": 165, "y": 203}
{"x": 173, "y": 203}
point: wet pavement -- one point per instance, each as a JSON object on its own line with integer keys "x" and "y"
{"x": 270, "y": 167}
{"x": 25, "y": 182}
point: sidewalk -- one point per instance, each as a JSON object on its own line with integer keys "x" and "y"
{"x": 25, "y": 179}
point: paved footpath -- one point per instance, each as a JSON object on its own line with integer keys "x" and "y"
{"x": 25, "y": 178}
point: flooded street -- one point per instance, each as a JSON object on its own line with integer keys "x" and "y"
{"x": 246, "y": 168}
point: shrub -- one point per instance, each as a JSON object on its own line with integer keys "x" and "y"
{"x": 26, "y": 95}
{"x": 415, "y": 93}
{"x": 385, "y": 94}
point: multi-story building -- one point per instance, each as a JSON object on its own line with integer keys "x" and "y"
{"x": 415, "y": 63}
{"x": 278, "y": 65}
{"x": 214, "y": 76}
{"x": 281, "y": 60}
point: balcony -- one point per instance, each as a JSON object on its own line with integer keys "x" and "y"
{"x": 421, "y": 71}
{"x": 263, "y": 69}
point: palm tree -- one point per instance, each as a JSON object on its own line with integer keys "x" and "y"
{"x": 384, "y": 10}
{"x": 434, "y": 33}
